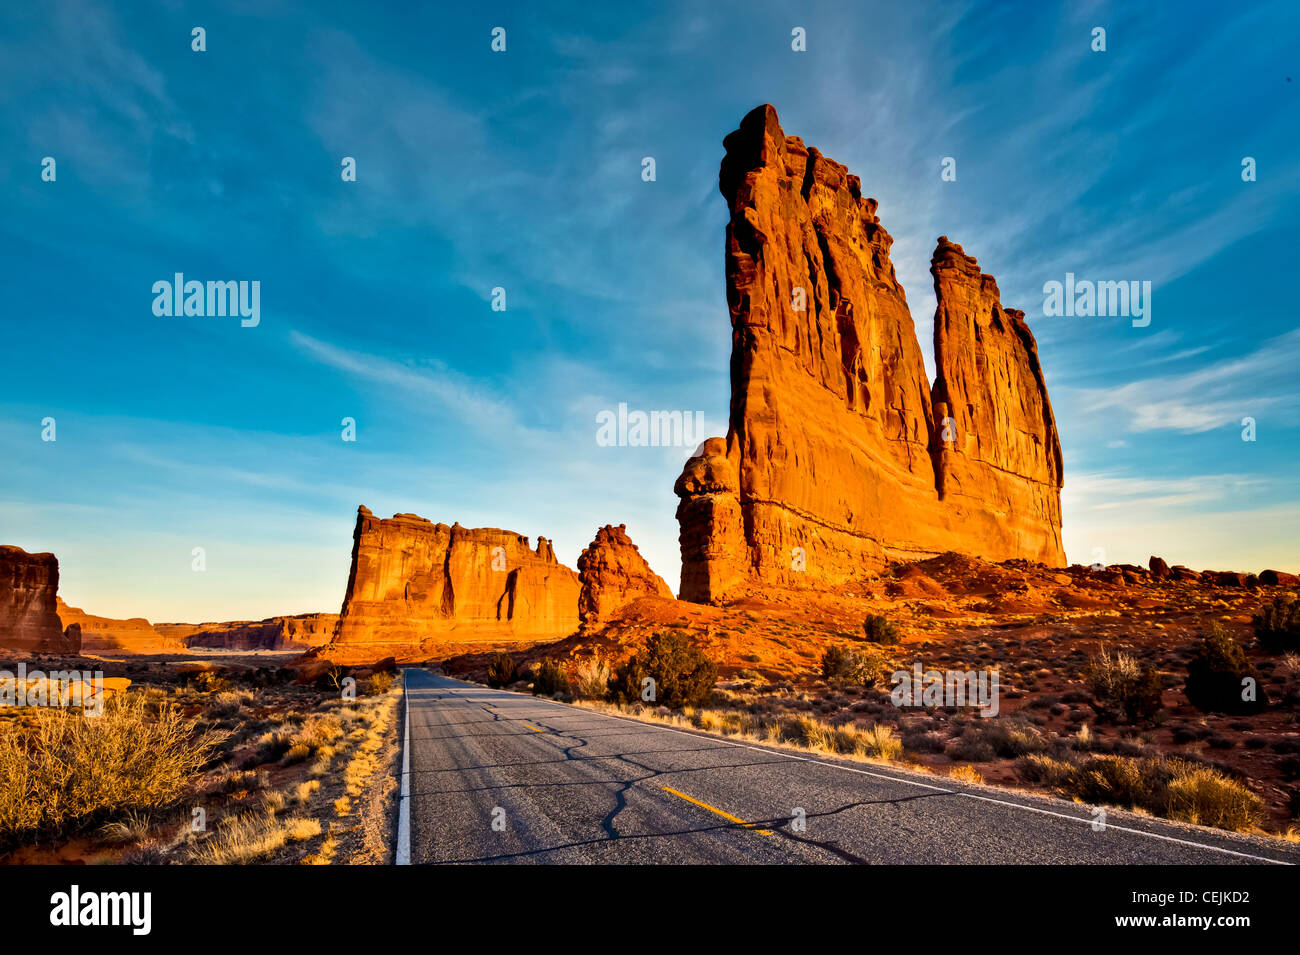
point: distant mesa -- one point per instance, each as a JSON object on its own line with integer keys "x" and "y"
{"x": 115, "y": 637}
{"x": 29, "y": 617}
{"x": 414, "y": 583}
{"x": 299, "y": 632}
{"x": 613, "y": 574}
{"x": 840, "y": 457}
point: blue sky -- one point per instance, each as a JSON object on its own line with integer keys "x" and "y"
{"x": 522, "y": 170}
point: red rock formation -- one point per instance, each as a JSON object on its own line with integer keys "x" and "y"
{"x": 300, "y": 632}
{"x": 999, "y": 460}
{"x": 29, "y": 619}
{"x": 834, "y": 461}
{"x": 106, "y": 635}
{"x": 414, "y": 582}
{"x": 613, "y": 574}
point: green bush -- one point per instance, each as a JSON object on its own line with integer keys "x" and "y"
{"x": 550, "y": 679}
{"x": 878, "y": 629}
{"x": 849, "y": 665}
{"x": 501, "y": 671}
{"x": 682, "y": 674}
{"x": 1216, "y": 673}
{"x": 1277, "y": 625}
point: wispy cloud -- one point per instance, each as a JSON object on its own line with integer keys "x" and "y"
{"x": 1215, "y": 395}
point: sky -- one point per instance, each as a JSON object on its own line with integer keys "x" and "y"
{"x": 522, "y": 170}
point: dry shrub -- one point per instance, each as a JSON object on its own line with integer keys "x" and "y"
{"x": 242, "y": 839}
{"x": 73, "y": 770}
{"x": 1120, "y": 685}
{"x": 228, "y": 703}
{"x": 379, "y": 683}
{"x": 592, "y": 679}
{"x": 1205, "y": 797}
{"x": 299, "y": 829}
{"x": 1172, "y": 788}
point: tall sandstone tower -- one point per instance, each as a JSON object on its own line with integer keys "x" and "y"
{"x": 839, "y": 457}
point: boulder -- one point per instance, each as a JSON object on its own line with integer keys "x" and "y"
{"x": 1278, "y": 578}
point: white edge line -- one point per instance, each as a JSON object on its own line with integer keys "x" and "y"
{"x": 897, "y": 779}
{"x": 403, "y": 856}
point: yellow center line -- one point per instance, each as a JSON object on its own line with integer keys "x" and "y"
{"x": 534, "y": 728}
{"x": 724, "y": 815}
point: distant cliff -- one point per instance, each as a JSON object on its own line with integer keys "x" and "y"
{"x": 414, "y": 583}
{"x": 29, "y": 618}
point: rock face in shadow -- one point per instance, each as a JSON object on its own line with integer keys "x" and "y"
{"x": 613, "y": 573}
{"x": 29, "y": 618}
{"x": 836, "y": 460}
{"x": 299, "y": 632}
{"x": 106, "y": 635}
{"x": 415, "y": 583}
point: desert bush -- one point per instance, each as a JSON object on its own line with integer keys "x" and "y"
{"x": 501, "y": 671}
{"x": 71, "y": 770}
{"x": 296, "y": 753}
{"x": 1206, "y": 797}
{"x": 240, "y": 780}
{"x": 965, "y": 774}
{"x": 1010, "y": 736}
{"x": 1047, "y": 770}
{"x": 228, "y": 703}
{"x": 880, "y": 741}
{"x": 682, "y": 674}
{"x": 859, "y": 666}
{"x": 318, "y": 731}
{"x": 1172, "y": 788}
{"x": 972, "y": 747}
{"x": 1291, "y": 678}
{"x": 301, "y": 828}
{"x": 242, "y": 839}
{"x": 592, "y": 681}
{"x": 550, "y": 679}
{"x": 379, "y": 683}
{"x": 1217, "y": 673}
{"x": 210, "y": 681}
{"x": 1277, "y": 624}
{"x": 1120, "y": 685}
{"x": 879, "y": 629}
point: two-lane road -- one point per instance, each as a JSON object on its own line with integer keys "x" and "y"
{"x": 500, "y": 777}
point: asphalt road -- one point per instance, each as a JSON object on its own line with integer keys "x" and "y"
{"x": 494, "y": 776}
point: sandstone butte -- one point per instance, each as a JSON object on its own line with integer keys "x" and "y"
{"x": 840, "y": 457}
{"x": 415, "y": 583}
{"x": 29, "y": 618}
{"x": 613, "y": 574}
